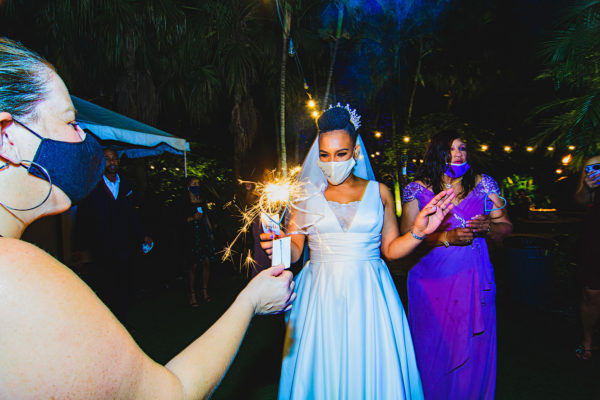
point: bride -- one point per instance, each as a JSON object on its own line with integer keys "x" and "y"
{"x": 347, "y": 335}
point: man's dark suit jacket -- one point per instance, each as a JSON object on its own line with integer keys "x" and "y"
{"x": 109, "y": 228}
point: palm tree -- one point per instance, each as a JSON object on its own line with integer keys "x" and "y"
{"x": 573, "y": 60}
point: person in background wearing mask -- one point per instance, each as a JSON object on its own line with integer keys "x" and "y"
{"x": 198, "y": 237}
{"x": 588, "y": 195}
{"x": 109, "y": 227}
{"x": 348, "y": 336}
{"x": 451, "y": 288}
{"x": 57, "y": 339}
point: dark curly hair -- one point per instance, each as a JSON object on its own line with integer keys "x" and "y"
{"x": 436, "y": 158}
{"x": 336, "y": 118}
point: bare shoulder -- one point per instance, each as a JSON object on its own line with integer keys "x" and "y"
{"x": 385, "y": 192}
{"x": 478, "y": 178}
{"x": 57, "y": 338}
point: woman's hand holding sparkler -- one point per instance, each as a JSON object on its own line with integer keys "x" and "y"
{"x": 266, "y": 241}
{"x": 432, "y": 215}
{"x": 271, "y": 291}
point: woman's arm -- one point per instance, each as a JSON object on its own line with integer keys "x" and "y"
{"x": 424, "y": 223}
{"x": 410, "y": 210}
{"x": 495, "y": 226}
{"x": 201, "y": 366}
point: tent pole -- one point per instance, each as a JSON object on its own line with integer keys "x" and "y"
{"x": 185, "y": 163}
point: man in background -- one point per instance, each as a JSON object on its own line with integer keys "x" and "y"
{"x": 109, "y": 227}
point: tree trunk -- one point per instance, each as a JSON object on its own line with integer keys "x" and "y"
{"x": 334, "y": 55}
{"x": 243, "y": 126}
{"x": 414, "y": 83}
{"x": 284, "y": 50}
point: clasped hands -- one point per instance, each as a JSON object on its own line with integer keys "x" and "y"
{"x": 476, "y": 227}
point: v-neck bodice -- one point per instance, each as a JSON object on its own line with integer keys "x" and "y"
{"x": 368, "y": 214}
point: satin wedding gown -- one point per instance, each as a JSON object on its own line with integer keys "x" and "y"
{"x": 347, "y": 334}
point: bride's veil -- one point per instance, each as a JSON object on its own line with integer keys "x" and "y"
{"x": 314, "y": 182}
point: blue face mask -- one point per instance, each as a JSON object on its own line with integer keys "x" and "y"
{"x": 195, "y": 190}
{"x": 456, "y": 170}
{"x": 76, "y": 168}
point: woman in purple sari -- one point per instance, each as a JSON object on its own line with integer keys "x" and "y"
{"x": 451, "y": 289}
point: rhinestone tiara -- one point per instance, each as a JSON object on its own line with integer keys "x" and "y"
{"x": 354, "y": 116}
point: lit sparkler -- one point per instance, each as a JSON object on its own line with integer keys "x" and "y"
{"x": 275, "y": 200}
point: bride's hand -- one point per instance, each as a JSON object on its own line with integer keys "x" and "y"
{"x": 432, "y": 215}
{"x": 266, "y": 241}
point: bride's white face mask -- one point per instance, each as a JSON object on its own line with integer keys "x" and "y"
{"x": 336, "y": 172}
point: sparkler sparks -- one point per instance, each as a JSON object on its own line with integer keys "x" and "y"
{"x": 275, "y": 199}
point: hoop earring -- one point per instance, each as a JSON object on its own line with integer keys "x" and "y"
{"x": 49, "y": 179}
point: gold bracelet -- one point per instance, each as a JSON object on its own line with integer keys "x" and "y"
{"x": 445, "y": 242}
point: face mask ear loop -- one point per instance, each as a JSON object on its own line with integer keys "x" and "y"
{"x": 49, "y": 188}
{"x": 488, "y": 211}
{"x": 29, "y": 129}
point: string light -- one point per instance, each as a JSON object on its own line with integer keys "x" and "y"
{"x": 406, "y": 139}
{"x": 377, "y": 134}
{"x": 484, "y": 147}
{"x": 550, "y": 148}
{"x": 558, "y": 171}
{"x": 372, "y": 155}
{"x": 571, "y": 147}
{"x": 311, "y": 103}
{"x": 377, "y": 153}
{"x": 315, "y": 114}
{"x": 567, "y": 159}
{"x": 529, "y": 149}
{"x": 507, "y": 149}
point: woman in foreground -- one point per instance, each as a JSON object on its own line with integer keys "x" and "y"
{"x": 57, "y": 339}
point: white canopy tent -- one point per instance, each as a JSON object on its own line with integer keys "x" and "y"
{"x": 131, "y": 137}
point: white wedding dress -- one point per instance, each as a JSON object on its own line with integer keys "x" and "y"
{"x": 347, "y": 334}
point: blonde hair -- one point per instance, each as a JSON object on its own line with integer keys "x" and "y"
{"x": 23, "y": 79}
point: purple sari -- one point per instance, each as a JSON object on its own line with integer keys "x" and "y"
{"x": 451, "y": 306}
